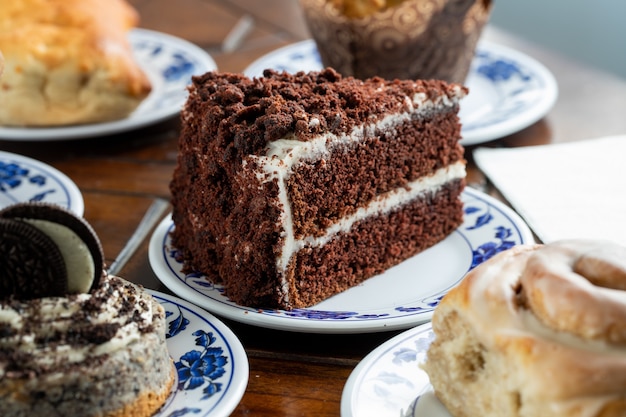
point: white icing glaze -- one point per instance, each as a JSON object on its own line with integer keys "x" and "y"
{"x": 551, "y": 274}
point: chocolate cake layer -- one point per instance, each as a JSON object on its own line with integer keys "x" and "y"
{"x": 274, "y": 166}
{"x": 374, "y": 245}
{"x": 369, "y": 248}
{"x": 359, "y": 172}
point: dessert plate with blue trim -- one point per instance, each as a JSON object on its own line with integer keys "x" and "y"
{"x": 389, "y": 382}
{"x": 24, "y": 179}
{"x": 211, "y": 362}
{"x": 399, "y": 298}
{"x": 508, "y": 89}
{"x": 168, "y": 61}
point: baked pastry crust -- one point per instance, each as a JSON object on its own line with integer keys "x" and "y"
{"x": 506, "y": 345}
{"x": 68, "y": 62}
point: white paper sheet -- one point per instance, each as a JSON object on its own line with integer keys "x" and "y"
{"x": 563, "y": 191}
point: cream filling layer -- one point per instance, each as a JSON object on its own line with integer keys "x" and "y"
{"x": 382, "y": 205}
{"x": 379, "y": 206}
{"x": 78, "y": 260}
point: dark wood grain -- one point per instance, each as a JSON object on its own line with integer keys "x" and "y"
{"x": 291, "y": 374}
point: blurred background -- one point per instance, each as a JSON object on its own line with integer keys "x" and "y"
{"x": 590, "y": 31}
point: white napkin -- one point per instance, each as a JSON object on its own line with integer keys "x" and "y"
{"x": 569, "y": 190}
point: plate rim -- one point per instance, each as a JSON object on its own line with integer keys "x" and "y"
{"x": 76, "y": 203}
{"x": 533, "y": 113}
{"x": 480, "y": 135}
{"x": 359, "y": 371}
{"x": 240, "y": 362}
{"x": 86, "y": 131}
{"x": 257, "y": 317}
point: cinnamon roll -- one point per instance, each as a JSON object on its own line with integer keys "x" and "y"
{"x": 537, "y": 331}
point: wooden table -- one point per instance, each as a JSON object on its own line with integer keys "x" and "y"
{"x": 120, "y": 176}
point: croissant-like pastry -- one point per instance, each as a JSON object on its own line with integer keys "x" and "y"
{"x": 68, "y": 62}
{"x": 536, "y": 331}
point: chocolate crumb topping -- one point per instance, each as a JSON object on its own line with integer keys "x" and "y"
{"x": 251, "y": 113}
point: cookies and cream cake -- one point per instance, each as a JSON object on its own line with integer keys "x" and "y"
{"x": 536, "y": 331}
{"x": 291, "y": 188}
{"x": 84, "y": 344}
{"x": 68, "y": 62}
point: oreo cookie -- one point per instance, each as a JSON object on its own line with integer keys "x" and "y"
{"x": 31, "y": 265}
{"x": 74, "y": 239}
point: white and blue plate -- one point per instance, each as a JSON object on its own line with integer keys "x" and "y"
{"x": 24, "y": 179}
{"x": 400, "y": 298}
{"x": 388, "y": 382}
{"x": 508, "y": 89}
{"x": 168, "y": 61}
{"x": 212, "y": 366}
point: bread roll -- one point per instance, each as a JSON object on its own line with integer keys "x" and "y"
{"x": 68, "y": 62}
{"x": 537, "y": 331}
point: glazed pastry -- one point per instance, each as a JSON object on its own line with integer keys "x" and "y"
{"x": 537, "y": 331}
{"x": 74, "y": 341}
{"x": 68, "y": 62}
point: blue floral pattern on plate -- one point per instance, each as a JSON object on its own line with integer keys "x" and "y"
{"x": 24, "y": 179}
{"x": 517, "y": 87}
{"x": 211, "y": 364}
{"x": 388, "y": 381}
{"x": 508, "y": 90}
{"x": 168, "y": 61}
{"x": 399, "y": 298}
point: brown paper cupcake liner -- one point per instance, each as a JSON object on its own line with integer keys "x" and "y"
{"x": 418, "y": 39}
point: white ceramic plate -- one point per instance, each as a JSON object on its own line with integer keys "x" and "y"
{"x": 196, "y": 337}
{"x": 168, "y": 61}
{"x": 389, "y": 383}
{"x": 24, "y": 179}
{"x": 402, "y": 297}
{"x": 508, "y": 89}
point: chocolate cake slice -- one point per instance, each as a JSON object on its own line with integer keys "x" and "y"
{"x": 290, "y": 188}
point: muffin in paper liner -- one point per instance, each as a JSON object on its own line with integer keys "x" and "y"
{"x": 416, "y": 39}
